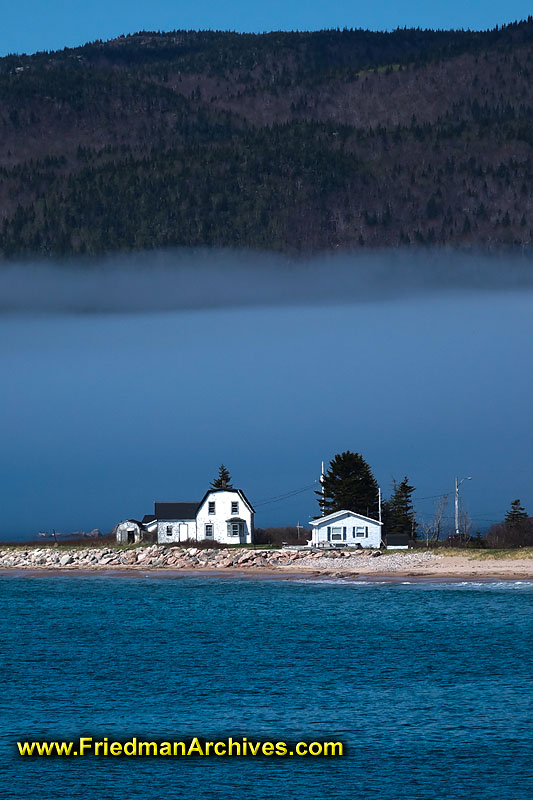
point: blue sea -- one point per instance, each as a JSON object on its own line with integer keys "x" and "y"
{"x": 427, "y": 684}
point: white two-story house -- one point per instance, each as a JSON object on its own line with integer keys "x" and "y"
{"x": 223, "y": 515}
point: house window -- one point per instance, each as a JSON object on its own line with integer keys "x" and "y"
{"x": 329, "y": 534}
{"x": 235, "y": 529}
{"x": 360, "y": 531}
{"x": 234, "y": 507}
{"x": 344, "y": 534}
{"x": 169, "y": 530}
{"x": 211, "y": 508}
{"x": 366, "y": 532}
{"x": 353, "y": 532}
{"x": 209, "y": 531}
{"x": 336, "y": 534}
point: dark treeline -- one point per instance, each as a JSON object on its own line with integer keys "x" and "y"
{"x": 296, "y": 142}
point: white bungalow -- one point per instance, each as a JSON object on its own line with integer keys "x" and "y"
{"x": 223, "y": 515}
{"x": 345, "y": 529}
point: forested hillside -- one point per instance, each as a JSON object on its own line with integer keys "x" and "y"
{"x": 296, "y": 142}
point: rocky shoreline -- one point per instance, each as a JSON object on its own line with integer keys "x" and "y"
{"x": 159, "y": 557}
{"x": 352, "y": 563}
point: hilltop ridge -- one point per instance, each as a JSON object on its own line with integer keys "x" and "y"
{"x": 295, "y": 142}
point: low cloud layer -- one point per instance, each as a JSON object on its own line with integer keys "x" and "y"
{"x": 195, "y": 280}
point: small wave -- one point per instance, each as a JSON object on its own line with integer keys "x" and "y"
{"x": 422, "y": 583}
{"x": 491, "y": 584}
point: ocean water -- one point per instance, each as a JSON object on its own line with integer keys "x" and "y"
{"x": 428, "y": 685}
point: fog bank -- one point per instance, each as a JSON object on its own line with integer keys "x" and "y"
{"x": 202, "y": 279}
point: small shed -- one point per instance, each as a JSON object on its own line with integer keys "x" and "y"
{"x": 345, "y": 529}
{"x": 129, "y": 532}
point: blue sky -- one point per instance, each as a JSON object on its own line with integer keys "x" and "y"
{"x": 104, "y": 413}
{"x": 30, "y": 25}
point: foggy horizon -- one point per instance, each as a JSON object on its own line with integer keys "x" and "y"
{"x": 201, "y": 279}
{"x": 133, "y": 385}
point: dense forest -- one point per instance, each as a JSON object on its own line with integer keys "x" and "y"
{"x": 295, "y": 142}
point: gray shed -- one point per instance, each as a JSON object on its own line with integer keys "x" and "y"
{"x": 129, "y": 532}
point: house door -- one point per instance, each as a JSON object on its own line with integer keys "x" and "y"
{"x": 131, "y": 537}
{"x": 184, "y": 531}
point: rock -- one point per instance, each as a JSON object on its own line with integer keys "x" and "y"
{"x": 64, "y": 560}
{"x": 376, "y": 553}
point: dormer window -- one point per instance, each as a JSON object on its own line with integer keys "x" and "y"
{"x": 235, "y": 507}
{"x": 211, "y": 507}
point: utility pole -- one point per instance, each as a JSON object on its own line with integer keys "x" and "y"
{"x": 298, "y": 528}
{"x": 456, "y": 507}
{"x": 322, "y": 473}
{"x": 457, "y": 485}
{"x": 379, "y": 503}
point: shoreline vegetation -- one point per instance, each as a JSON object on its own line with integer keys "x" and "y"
{"x": 505, "y": 564}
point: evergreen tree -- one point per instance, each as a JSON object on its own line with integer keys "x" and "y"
{"x": 224, "y": 479}
{"x": 516, "y": 513}
{"x": 349, "y": 485}
{"x": 399, "y": 512}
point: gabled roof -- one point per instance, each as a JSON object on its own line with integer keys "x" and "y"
{"x": 176, "y": 510}
{"x": 228, "y": 489}
{"x": 331, "y": 517}
{"x": 148, "y": 518}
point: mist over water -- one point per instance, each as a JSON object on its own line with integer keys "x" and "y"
{"x": 206, "y": 279}
{"x": 420, "y": 362}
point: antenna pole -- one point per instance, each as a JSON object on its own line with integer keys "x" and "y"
{"x": 323, "y": 489}
{"x": 456, "y": 507}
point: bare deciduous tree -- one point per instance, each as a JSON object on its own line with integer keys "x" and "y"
{"x": 433, "y": 529}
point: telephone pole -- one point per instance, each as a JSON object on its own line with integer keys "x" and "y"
{"x": 457, "y": 485}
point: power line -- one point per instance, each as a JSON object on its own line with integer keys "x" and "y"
{"x": 286, "y": 496}
{"x": 432, "y": 496}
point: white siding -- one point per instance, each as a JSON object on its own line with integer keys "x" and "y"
{"x": 346, "y": 529}
{"x": 223, "y": 513}
{"x": 180, "y": 530}
{"x": 225, "y": 510}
